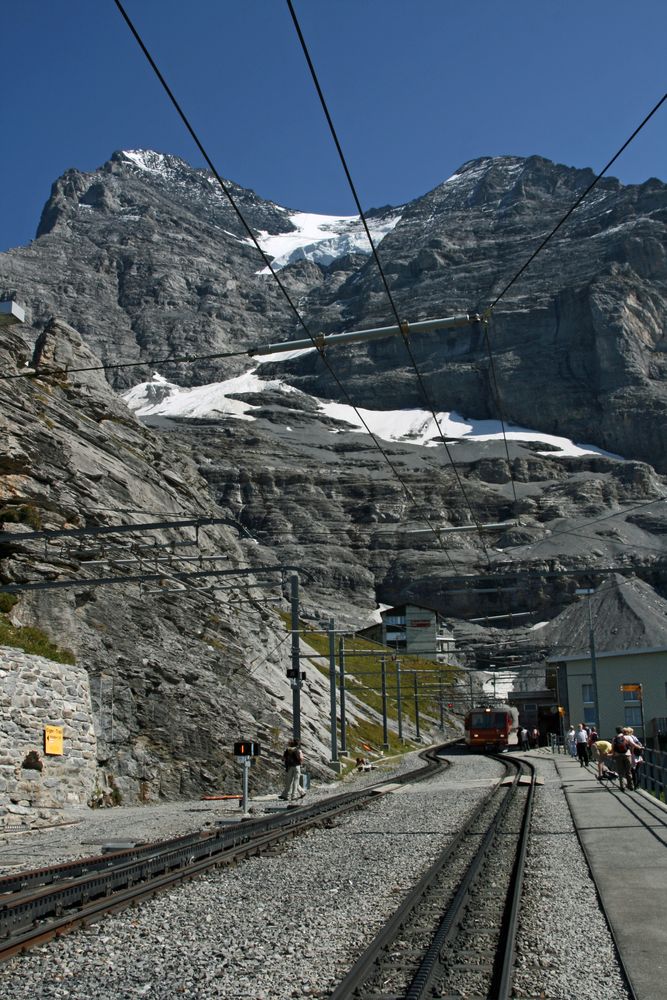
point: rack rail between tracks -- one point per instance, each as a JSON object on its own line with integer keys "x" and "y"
{"x": 46, "y": 902}
{"x": 421, "y": 948}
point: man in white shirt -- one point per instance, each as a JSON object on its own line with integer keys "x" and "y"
{"x": 581, "y": 740}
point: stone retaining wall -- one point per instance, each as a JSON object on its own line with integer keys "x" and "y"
{"x": 34, "y": 693}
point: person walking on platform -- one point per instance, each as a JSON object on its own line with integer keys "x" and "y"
{"x": 293, "y": 759}
{"x": 524, "y": 738}
{"x": 622, "y": 765}
{"x": 582, "y": 745}
{"x": 571, "y": 741}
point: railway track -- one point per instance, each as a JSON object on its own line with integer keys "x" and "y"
{"x": 456, "y": 930}
{"x": 43, "y": 903}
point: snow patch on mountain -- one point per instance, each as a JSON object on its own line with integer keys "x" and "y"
{"x": 166, "y": 399}
{"x": 323, "y": 238}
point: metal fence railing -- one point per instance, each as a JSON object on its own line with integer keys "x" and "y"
{"x": 652, "y": 773}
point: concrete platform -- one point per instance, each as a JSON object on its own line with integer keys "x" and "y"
{"x": 625, "y": 837}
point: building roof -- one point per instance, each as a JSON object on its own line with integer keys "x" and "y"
{"x": 627, "y": 614}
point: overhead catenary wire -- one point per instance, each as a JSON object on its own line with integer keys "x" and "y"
{"x": 576, "y": 204}
{"x": 488, "y": 312}
{"x": 499, "y": 405}
{"x": 587, "y": 524}
{"x": 50, "y": 371}
{"x": 228, "y": 194}
{"x": 378, "y": 263}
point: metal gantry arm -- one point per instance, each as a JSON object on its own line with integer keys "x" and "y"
{"x": 324, "y": 341}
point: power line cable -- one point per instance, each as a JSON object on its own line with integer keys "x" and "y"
{"x": 587, "y": 524}
{"x": 295, "y": 311}
{"x": 385, "y": 283}
{"x": 499, "y": 405}
{"x": 44, "y": 372}
{"x": 576, "y": 204}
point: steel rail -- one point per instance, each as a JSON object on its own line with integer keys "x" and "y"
{"x": 368, "y": 963}
{"x": 513, "y": 910}
{"x": 31, "y": 917}
{"x": 48, "y": 875}
{"x": 356, "y": 982}
{"x": 423, "y": 981}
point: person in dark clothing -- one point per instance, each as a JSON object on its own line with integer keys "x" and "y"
{"x": 582, "y": 745}
{"x": 293, "y": 759}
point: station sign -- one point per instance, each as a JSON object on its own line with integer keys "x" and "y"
{"x": 632, "y": 687}
{"x": 53, "y": 740}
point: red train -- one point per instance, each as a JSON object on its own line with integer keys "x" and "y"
{"x": 493, "y": 728}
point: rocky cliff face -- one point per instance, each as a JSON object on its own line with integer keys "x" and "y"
{"x": 146, "y": 259}
{"x": 176, "y": 674}
{"x": 579, "y": 341}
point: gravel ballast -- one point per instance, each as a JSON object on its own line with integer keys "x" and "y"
{"x": 290, "y": 925}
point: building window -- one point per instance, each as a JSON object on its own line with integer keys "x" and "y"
{"x": 589, "y": 715}
{"x": 587, "y": 694}
{"x": 631, "y": 696}
{"x": 633, "y": 716}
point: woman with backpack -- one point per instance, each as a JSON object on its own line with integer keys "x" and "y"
{"x": 293, "y": 759}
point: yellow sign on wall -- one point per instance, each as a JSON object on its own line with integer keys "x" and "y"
{"x": 53, "y": 740}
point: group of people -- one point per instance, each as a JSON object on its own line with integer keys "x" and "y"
{"x": 529, "y": 739}
{"x": 624, "y": 751}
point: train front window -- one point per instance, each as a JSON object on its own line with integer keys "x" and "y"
{"x": 487, "y": 720}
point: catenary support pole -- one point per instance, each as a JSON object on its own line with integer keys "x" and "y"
{"x": 399, "y": 705}
{"x": 296, "y": 659}
{"x": 417, "y": 730}
{"x": 442, "y": 704}
{"x": 385, "y": 731}
{"x": 332, "y": 690}
{"x": 343, "y": 725}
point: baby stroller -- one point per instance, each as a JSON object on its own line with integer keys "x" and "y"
{"x": 607, "y": 775}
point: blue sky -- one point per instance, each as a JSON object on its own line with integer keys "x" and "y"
{"x": 415, "y": 87}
